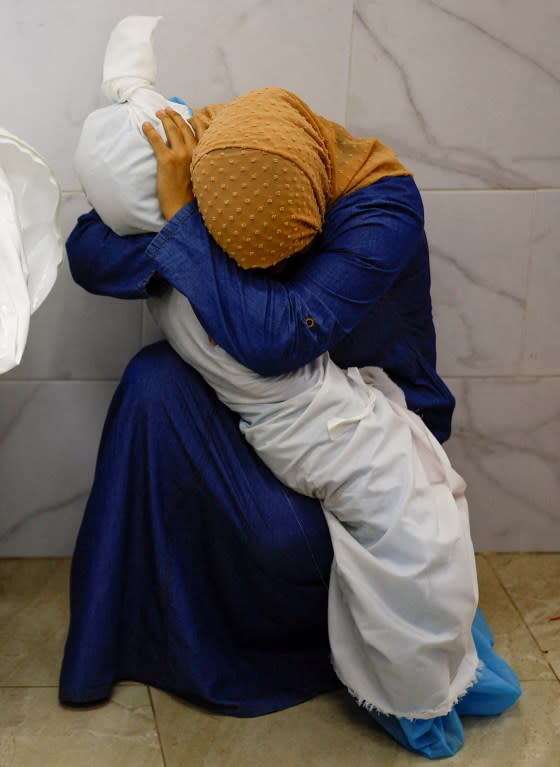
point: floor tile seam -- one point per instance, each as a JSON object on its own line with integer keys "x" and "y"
{"x": 556, "y": 673}
{"x": 41, "y": 600}
{"x": 555, "y": 681}
{"x": 156, "y": 725}
{"x": 510, "y": 599}
{"x": 518, "y": 611}
{"x": 34, "y": 559}
{"x": 55, "y": 686}
{"x": 28, "y": 686}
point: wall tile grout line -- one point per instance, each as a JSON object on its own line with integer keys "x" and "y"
{"x": 445, "y": 375}
{"x": 349, "y": 75}
{"x": 529, "y": 275}
{"x": 505, "y": 376}
{"x": 483, "y": 190}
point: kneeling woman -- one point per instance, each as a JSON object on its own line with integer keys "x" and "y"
{"x": 232, "y": 566}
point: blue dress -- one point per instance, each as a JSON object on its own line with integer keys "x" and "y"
{"x": 195, "y": 570}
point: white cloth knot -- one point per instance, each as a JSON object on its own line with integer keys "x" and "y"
{"x": 129, "y": 68}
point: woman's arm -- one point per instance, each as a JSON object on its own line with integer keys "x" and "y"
{"x": 104, "y": 263}
{"x": 273, "y": 327}
{"x": 270, "y": 326}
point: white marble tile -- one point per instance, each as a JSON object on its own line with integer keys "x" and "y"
{"x": 49, "y": 434}
{"x": 479, "y": 250}
{"x": 75, "y": 334}
{"x": 467, "y": 93}
{"x": 210, "y": 51}
{"x": 56, "y": 49}
{"x": 506, "y": 434}
{"x": 542, "y": 342}
{"x": 207, "y": 51}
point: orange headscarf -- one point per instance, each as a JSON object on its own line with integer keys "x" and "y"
{"x": 266, "y": 170}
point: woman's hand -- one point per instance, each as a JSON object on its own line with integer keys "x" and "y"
{"x": 173, "y": 161}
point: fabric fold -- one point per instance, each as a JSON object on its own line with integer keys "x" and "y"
{"x": 403, "y": 590}
{"x": 31, "y": 244}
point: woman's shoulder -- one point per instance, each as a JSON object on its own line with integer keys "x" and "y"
{"x": 388, "y": 194}
{"x": 379, "y": 226}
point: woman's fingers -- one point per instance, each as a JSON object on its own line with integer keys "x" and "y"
{"x": 173, "y": 128}
{"x": 174, "y": 186}
{"x": 174, "y": 136}
{"x": 182, "y": 125}
{"x": 177, "y": 130}
{"x": 156, "y": 141}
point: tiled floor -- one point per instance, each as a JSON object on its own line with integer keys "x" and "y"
{"x": 144, "y": 727}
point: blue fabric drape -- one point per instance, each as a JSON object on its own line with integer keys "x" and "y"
{"x": 365, "y": 284}
{"x": 195, "y": 570}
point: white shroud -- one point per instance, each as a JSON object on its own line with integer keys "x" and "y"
{"x": 31, "y": 245}
{"x": 403, "y": 588}
{"x": 114, "y": 161}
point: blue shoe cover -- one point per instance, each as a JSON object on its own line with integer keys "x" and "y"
{"x": 436, "y": 738}
{"x": 496, "y": 689}
{"x": 497, "y": 686}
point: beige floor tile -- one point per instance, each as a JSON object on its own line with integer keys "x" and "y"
{"x": 35, "y": 731}
{"x": 330, "y": 731}
{"x": 34, "y": 610}
{"x": 533, "y": 582}
{"x": 554, "y": 660}
{"x": 525, "y": 736}
{"x": 513, "y": 640}
{"x": 33, "y": 620}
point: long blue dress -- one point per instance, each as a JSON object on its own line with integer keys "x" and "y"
{"x": 195, "y": 570}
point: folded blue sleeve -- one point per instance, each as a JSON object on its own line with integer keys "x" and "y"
{"x": 269, "y": 325}
{"x": 274, "y": 326}
{"x": 106, "y": 264}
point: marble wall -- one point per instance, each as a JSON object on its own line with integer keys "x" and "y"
{"x": 469, "y": 96}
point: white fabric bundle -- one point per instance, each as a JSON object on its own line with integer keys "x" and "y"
{"x": 114, "y": 161}
{"x": 403, "y": 588}
{"x": 31, "y": 245}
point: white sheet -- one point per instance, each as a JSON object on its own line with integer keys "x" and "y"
{"x": 403, "y": 588}
{"x": 114, "y": 161}
{"x": 31, "y": 245}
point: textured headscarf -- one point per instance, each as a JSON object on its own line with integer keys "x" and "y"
{"x": 267, "y": 169}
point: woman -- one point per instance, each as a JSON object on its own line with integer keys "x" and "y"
{"x": 195, "y": 570}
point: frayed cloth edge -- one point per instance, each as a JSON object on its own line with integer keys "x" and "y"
{"x": 443, "y": 710}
